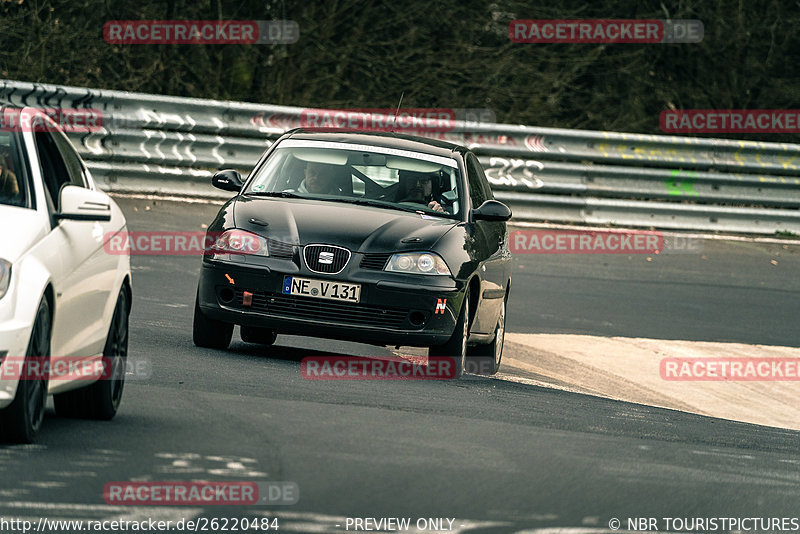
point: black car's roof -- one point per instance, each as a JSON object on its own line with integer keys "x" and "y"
{"x": 384, "y": 139}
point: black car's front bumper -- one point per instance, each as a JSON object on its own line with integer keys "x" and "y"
{"x": 394, "y": 309}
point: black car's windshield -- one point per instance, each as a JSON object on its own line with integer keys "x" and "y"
{"x": 361, "y": 174}
{"x": 12, "y": 186}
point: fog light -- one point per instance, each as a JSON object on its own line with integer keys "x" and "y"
{"x": 226, "y": 295}
{"x": 416, "y": 318}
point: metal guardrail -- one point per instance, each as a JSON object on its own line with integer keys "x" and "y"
{"x": 151, "y": 143}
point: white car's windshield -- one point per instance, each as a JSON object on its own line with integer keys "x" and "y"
{"x": 386, "y": 177}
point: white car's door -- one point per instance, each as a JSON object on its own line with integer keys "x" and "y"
{"x": 86, "y": 276}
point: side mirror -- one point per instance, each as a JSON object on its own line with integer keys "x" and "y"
{"x": 81, "y": 204}
{"x": 228, "y": 180}
{"x": 492, "y": 210}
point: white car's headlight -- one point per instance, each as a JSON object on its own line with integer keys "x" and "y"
{"x": 417, "y": 263}
{"x": 5, "y": 277}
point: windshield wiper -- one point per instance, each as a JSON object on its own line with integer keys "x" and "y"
{"x": 359, "y": 201}
{"x": 389, "y": 206}
{"x": 279, "y": 194}
{"x": 374, "y": 203}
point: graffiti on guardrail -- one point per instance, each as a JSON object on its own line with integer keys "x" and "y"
{"x": 746, "y": 154}
{"x": 513, "y": 172}
{"x": 629, "y": 151}
{"x": 156, "y": 143}
{"x": 535, "y": 143}
{"x": 681, "y": 183}
{"x": 51, "y": 97}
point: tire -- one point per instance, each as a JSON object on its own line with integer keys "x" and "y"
{"x": 210, "y": 333}
{"x": 456, "y": 346}
{"x": 101, "y": 399}
{"x": 485, "y": 359}
{"x": 21, "y": 420}
{"x": 261, "y": 336}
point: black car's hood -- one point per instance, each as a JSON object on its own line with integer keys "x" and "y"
{"x": 358, "y": 228}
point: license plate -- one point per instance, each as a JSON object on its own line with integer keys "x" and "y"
{"x": 321, "y": 289}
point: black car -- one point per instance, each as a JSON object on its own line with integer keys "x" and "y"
{"x": 378, "y": 238}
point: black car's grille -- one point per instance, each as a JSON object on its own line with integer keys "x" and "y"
{"x": 323, "y": 309}
{"x": 376, "y": 261}
{"x": 326, "y": 259}
{"x": 279, "y": 249}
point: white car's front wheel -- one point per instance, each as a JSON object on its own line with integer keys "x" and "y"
{"x": 21, "y": 420}
{"x": 101, "y": 400}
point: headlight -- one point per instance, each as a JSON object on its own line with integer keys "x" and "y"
{"x": 417, "y": 263}
{"x": 236, "y": 242}
{"x": 5, "y": 277}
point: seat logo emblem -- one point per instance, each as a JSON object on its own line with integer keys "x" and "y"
{"x": 326, "y": 258}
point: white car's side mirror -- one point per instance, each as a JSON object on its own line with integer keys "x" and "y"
{"x": 81, "y": 204}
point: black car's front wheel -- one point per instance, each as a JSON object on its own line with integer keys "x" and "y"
{"x": 21, "y": 420}
{"x": 456, "y": 346}
{"x": 210, "y": 333}
{"x": 485, "y": 359}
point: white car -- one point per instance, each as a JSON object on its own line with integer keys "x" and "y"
{"x": 63, "y": 298}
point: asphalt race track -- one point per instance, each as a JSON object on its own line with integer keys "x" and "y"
{"x": 495, "y": 455}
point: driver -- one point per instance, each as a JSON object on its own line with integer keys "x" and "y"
{"x": 9, "y": 187}
{"x": 318, "y": 179}
{"x": 417, "y": 187}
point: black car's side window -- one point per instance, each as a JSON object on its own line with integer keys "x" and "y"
{"x": 477, "y": 193}
{"x": 484, "y": 180}
{"x": 55, "y": 172}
